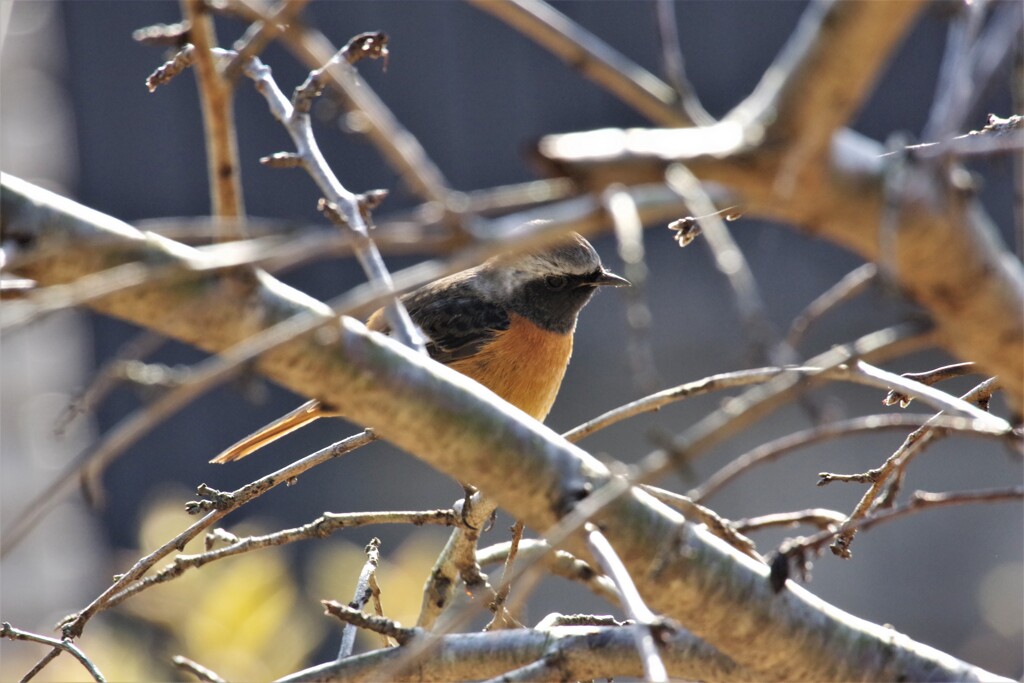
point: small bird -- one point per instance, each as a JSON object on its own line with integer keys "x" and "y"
{"x": 508, "y": 324}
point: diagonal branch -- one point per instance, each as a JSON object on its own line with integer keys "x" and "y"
{"x": 630, "y": 82}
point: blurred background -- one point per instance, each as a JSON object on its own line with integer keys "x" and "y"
{"x": 77, "y": 118}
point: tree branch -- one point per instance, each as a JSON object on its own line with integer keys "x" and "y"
{"x": 943, "y": 257}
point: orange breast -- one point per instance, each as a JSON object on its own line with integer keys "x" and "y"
{"x": 524, "y": 365}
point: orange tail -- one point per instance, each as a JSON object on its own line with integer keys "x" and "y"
{"x": 300, "y": 417}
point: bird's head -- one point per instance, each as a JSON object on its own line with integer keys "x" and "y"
{"x": 550, "y": 286}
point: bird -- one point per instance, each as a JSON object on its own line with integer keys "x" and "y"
{"x": 507, "y": 324}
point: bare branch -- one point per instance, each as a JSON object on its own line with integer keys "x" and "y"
{"x": 592, "y": 57}
{"x": 63, "y": 645}
{"x": 555, "y": 562}
{"x": 819, "y": 517}
{"x": 927, "y": 378}
{"x": 200, "y": 672}
{"x": 399, "y": 147}
{"x": 919, "y": 502}
{"x": 355, "y": 618}
{"x": 575, "y": 653}
{"x": 611, "y": 565}
{"x": 943, "y": 256}
{"x": 131, "y": 581}
{"x": 696, "y": 512}
{"x": 218, "y": 121}
{"x": 457, "y": 560}
{"x": 260, "y": 34}
{"x": 672, "y": 60}
{"x": 726, "y": 380}
{"x": 502, "y": 617}
{"x": 773, "y": 450}
{"x": 848, "y": 287}
{"x": 362, "y": 594}
{"x": 891, "y": 471}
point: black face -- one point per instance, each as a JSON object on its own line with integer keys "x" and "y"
{"x": 553, "y": 302}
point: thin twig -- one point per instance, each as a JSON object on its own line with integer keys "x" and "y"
{"x": 919, "y": 502}
{"x": 998, "y": 136}
{"x": 631, "y": 83}
{"x": 72, "y": 625}
{"x": 556, "y": 562}
{"x": 717, "y": 525}
{"x": 397, "y": 145}
{"x": 656, "y": 401}
{"x": 953, "y": 91}
{"x": 363, "y": 593}
{"x": 775, "y": 449}
{"x": 646, "y": 638}
{"x": 760, "y": 332}
{"x": 294, "y": 116}
{"x": 822, "y": 518}
{"x": 63, "y": 645}
{"x": 199, "y": 671}
{"x": 738, "y": 413}
{"x": 106, "y": 378}
{"x": 674, "y": 65}
{"x": 261, "y": 33}
{"x": 358, "y": 619}
{"x": 929, "y": 377}
{"x": 457, "y": 560}
{"x": 502, "y": 618}
{"x": 321, "y": 527}
{"x": 41, "y": 664}
{"x": 629, "y": 232}
{"x": 848, "y": 287}
{"x": 218, "y": 122}
{"x": 891, "y": 471}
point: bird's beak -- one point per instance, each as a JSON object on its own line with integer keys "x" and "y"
{"x": 612, "y": 280}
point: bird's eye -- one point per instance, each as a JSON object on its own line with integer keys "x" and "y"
{"x": 555, "y": 281}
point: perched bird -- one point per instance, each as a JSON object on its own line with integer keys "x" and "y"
{"x": 508, "y": 324}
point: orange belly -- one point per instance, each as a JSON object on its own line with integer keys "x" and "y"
{"x": 524, "y": 365}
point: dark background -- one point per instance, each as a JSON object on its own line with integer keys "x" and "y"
{"x": 476, "y": 94}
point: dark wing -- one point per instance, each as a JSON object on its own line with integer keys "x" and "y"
{"x": 456, "y": 321}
